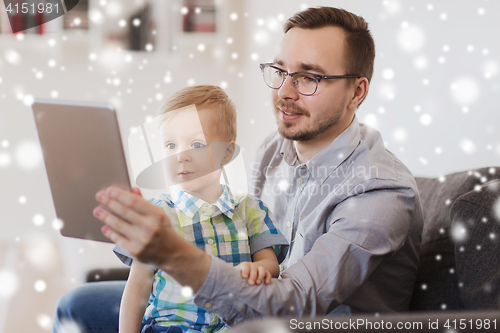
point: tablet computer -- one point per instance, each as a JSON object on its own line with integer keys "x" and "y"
{"x": 83, "y": 153}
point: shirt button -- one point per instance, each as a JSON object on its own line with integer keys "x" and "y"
{"x": 282, "y": 268}
{"x": 289, "y": 224}
{"x": 208, "y": 305}
{"x": 210, "y": 241}
{"x": 300, "y": 180}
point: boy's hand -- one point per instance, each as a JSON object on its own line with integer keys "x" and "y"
{"x": 254, "y": 272}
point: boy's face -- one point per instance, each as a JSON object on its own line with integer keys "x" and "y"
{"x": 191, "y": 162}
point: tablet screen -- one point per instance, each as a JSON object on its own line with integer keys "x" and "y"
{"x": 83, "y": 153}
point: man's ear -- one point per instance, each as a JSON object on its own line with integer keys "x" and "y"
{"x": 359, "y": 93}
{"x": 228, "y": 154}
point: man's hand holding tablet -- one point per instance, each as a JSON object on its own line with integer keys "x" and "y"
{"x": 145, "y": 232}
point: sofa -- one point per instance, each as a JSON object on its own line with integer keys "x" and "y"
{"x": 459, "y": 268}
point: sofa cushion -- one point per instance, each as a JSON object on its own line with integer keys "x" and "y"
{"x": 436, "y": 286}
{"x": 475, "y": 232}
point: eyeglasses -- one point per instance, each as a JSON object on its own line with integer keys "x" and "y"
{"x": 304, "y": 83}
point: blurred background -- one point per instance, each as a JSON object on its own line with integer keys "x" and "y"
{"x": 433, "y": 96}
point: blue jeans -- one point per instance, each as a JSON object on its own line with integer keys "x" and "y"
{"x": 149, "y": 327}
{"x": 94, "y": 307}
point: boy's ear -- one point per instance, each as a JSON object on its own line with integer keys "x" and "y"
{"x": 228, "y": 154}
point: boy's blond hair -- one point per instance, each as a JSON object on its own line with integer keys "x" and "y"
{"x": 210, "y": 98}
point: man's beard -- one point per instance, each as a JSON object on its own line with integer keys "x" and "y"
{"x": 305, "y": 135}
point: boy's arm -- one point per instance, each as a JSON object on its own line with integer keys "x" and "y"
{"x": 263, "y": 268}
{"x": 135, "y": 297}
{"x": 267, "y": 258}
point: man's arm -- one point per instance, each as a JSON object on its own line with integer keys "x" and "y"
{"x": 357, "y": 240}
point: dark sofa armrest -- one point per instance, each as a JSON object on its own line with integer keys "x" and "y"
{"x": 476, "y": 229}
{"x": 110, "y": 274}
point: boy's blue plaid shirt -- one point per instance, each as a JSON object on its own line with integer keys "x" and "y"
{"x": 233, "y": 228}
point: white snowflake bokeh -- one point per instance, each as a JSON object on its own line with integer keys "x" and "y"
{"x": 459, "y": 232}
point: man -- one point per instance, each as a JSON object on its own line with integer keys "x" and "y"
{"x": 349, "y": 208}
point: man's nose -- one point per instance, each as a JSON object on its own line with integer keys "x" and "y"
{"x": 287, "y": 89}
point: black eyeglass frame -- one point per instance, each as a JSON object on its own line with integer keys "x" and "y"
{"x": 318, "y": 77}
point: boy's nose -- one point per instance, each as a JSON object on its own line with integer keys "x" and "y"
{"x": 184, "y": 156}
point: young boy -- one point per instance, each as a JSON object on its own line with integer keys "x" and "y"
{"x": 198, "y": 129}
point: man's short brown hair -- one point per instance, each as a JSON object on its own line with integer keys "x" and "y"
{"x": 210, "y": 98}
{"x": 360, "y": 47}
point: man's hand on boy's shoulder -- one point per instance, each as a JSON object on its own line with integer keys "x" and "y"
{"x": 254, "y": 272}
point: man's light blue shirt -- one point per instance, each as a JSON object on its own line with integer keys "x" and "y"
{"x": 353, "y": 218}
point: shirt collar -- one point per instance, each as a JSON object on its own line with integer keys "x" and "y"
{"x": 330, "y": 158}
{"x": 191, "y": 205}
{"x": 288, "y": 152}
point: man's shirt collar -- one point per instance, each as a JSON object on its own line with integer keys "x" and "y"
{"x": 330, "y": 158}
{"x": 191, "y": 205}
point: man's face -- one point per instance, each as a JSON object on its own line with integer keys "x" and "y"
{"x": 319, "y": 51}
